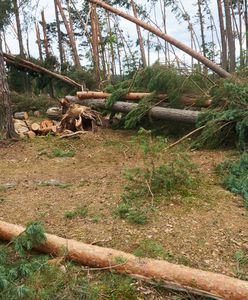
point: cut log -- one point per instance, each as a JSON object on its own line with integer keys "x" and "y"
{"x": 187, "y": 116}
{"x": 46, "y": 123}
{"x": 46, "y": 130}
{"x": 35, "y": 127}
{"x": 210, "y": 283}
{"x": 21, "y": 115}
{"x": 54, "y": 113}
{"x": 31, "y": 134}
{"x": 185, "y": 99}
{"x": 37, "y": 114}
{"x": 21, "y": 127}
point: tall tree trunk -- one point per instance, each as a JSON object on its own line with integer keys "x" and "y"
{"x": 44, "y": 27}
{"x": 38, "y": 40}
{"x": 201, "y": 21}
{"x": 60, "y": 47}
{"x": 6, "y": 122}
{"x": 246, "y": 30}
{"x": 19, "y": 29}
{"x": 230, "y": 37}
{"x": 224, "y": 61}
{"x": 95, "y": 43}
{"x": 112, "y": 52}
{"x": 71, "y": 36}
{"x": 140, "y": 38}
{"x": 242, "y": 59}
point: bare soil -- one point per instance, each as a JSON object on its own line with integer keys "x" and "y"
{"x": 203, "y": 230}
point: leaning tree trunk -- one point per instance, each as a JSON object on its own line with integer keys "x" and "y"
{"x": 38, "y": 39}
{"x": 71, "y": 36}
{"x": 44, "y": 27}
{"x": 211, "y": 65}
{"x": 140, "y": 38}
{"x": 6, "y": 122}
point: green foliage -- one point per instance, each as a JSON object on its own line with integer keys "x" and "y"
{"x": 34, "y": 235}
{"x": 155, "y": 180}
{"x": 14, "y": 272}
{"x": 77, "y": 212}
{"x": 241, "y": 264}
{"x": 226, "y": 122}
{"x": 152, "y": 249}
{"x": 156, "y": 79}
{"x": 236, "y": 176}
{"x": 26, "y": 102}
{"x": 63, "y": 153}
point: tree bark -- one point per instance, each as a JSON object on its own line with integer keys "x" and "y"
{"x": 38, "y": 41}
{"x": 19, "y": 29}
{"x": 140, "y": 38}
{"x": 204, "y": 282}
{"x": 157, "y": 112}
{"x": 224, "y": 62}
{"x": 6, "y": 121}
{"x": 44, "y": 26}
{"x": 71, "y": 36}
{"x": 185, "y": 99}
{"x": 221, "y": 72}
{"x": 60, "y": 47}
{"x": 230, "y": 37}
{"x": 95, "y": 43}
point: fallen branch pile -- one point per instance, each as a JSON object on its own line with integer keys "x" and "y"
{"x": 195, "y": 281}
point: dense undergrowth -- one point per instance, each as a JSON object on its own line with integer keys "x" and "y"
{"x": 235, "y": 176}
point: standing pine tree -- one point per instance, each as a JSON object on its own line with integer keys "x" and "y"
{"x": 6, "y": 122}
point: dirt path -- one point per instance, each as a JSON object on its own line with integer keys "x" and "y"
{"x": 203, "y": 231}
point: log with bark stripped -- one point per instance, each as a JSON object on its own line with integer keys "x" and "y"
{"x": 185, "y": 99}
{"x": 204, "y": 282}
{"x": 187, "y": 116}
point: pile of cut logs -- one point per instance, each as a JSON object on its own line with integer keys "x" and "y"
{"x": 69, "y": 120}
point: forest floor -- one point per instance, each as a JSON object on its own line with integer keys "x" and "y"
{"x": 204, "y": 229}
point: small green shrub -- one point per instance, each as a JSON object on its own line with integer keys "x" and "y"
{"x": 236, "y": 176}
{"x": 241, "y": 264}
{"x": 150, "y": 248}
{"x": 63, "y": 153}
{"x": 77, "y": 212}
{"x": 155, "y": 179}
{"x": 137, "y": 217}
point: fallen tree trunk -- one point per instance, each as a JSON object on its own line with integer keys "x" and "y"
{"x": 217, "y": 285}
{"x": 187, "y": 116}
{"x": 211, "y": 65}
{"x": 186, "y": 100}
{"x": 25, "y": 64}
